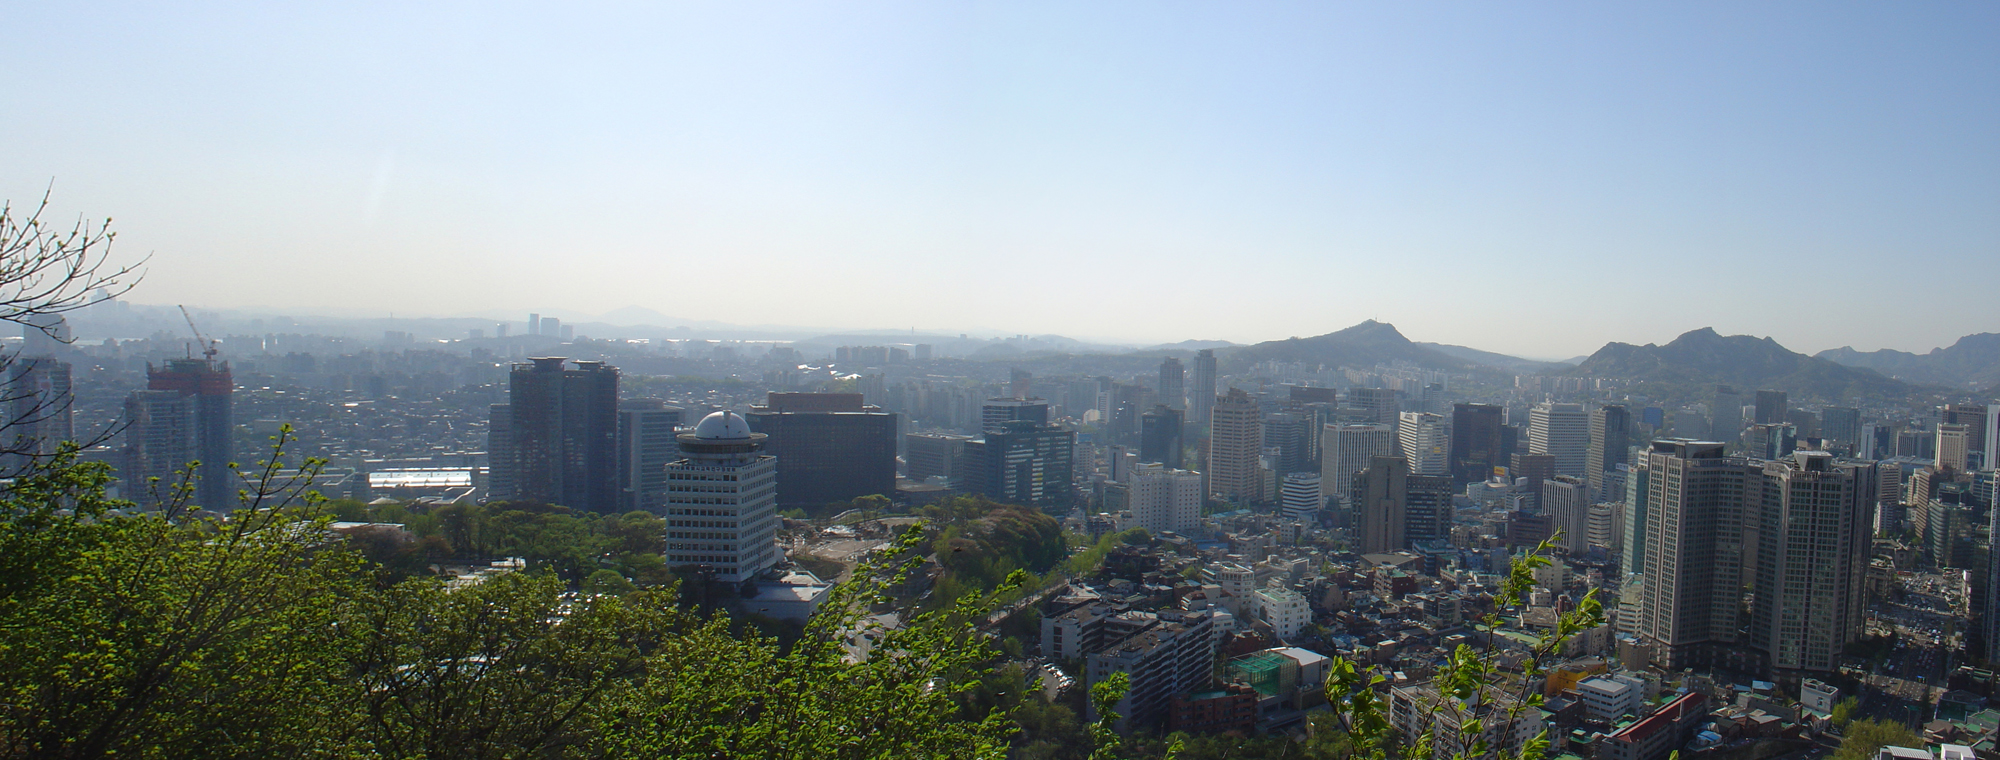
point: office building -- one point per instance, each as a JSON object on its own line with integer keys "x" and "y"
{"x": 1632, "y": 544}
{"x": 1023, "y": 463}
{"x": 38, "y": 400}
{"x": 1842, "y": 426}
{"x": 646, "y": 443}
{"x": 1380, "y": 403}
{"x": 1348, "y": 449}
{"x": 1291, "y": 434}
{"x": 1202, "y": 391}
{"x": 1300, "y": 497}
{"x": 997, "y": 412}
{"x": 1726, "y": 414}
{"x": 1566, "y": 500}
{"x": 1772, "y": 408}
{"x": 1160, "y": 436}
{"x": 1561, "y": 431}
{"x": 1528, "y": 471}
{"x": 1814, "y": 542}
{"x": 564, "y": 428}
{"x": 1476, "y": 441}
{"x": 207, "y": 386}
{"x": 722, "y": 501}
{"x": 1173, "y": 384}
{"x": 935, "y": 455}
{"x": 1380, "y": 494}
{"x": 1954, "y": 441}
{"x": 1427, "y": 508}
{"x": 1164, "y": 499}
{"x": 831, "y": 447}
{"x": 1770, "y": 441}
{"x": 1235, "y": 440}
{"x": 500, "y": 469}
{"x": 1610, "y": 446}
{"x": 1694, "y": 548}
{"x": 1426, "y": 442}
{"x": 1603, "y": 530}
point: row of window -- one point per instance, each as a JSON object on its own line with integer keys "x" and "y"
{"x": 712, "y": 536}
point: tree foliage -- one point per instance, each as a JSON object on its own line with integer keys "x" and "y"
{"x": 1866, "y": 736}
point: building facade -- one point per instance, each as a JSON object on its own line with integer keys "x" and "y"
{"x": 722, "y": 501}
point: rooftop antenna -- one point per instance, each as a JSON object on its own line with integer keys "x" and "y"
{"x": 208, "y": 349}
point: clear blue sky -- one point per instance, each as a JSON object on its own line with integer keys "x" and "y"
{"x": 1529, "y": 178}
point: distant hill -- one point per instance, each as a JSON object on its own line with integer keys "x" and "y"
{"x": 1490, "y": 359}
{"x": 1363, "y": 345}
{"x": 1702, "y": 357}
{"x": 1972, "y": 362}
{"x": 1189, "y": 345}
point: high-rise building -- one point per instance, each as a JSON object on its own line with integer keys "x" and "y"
{"x": 1201, "y": 393}
{"x": 1954, "y": 440}
{"x": 207, "y": 385}
{"x": 1018, "y": 382}
{"x": 1426, "y": 442}
{"x": 1694, "y": 552}
{"x": 721, "y": 503}
{"x": 935, "y": 455}
{"x": 45, "y": 335}
{"x": 1427, "y": 508}
{"x": 1603, "y": 530}
{"x": 1842, "y": 426}
{"x": 997, "y": 412}
{"x": 1023, "y": 463}
{"x": 1381, "y": 493}
{"x": 1772, "y": 408}
{"x": 1726, "y": 414}
{"x": 1291, "y": 434}
{"x": 1632, "y": 546}
{"x": 1561, "y": 431}
{"x": 500, "y": 468}
{"x": 1160, "y": 436}
{"x": 1566, "y": 499}
{"x": 1610, "y": 446}
{"x": 1164, "y": 499}
{"x": 1173, "y": 384}
{"x": 38, "y": 400}
{"x": 1529, "y": 470}
{"x": 1235, "y": 440}
{"x": 1348, "y": 449}
{"x": 646, "y": 443}
{"x": 1814, "y": 541}
{"x": 1991, "y": 458}
{"x": 831, "y": 447}
{"x": 1299, "y": 496}
{"x": 565, "y": 433}
{"x": 1381, "y": 403}
{"x": 159, "y": 440}
{"x": 1770, "y": 441}
{"x": 1476, "y": 441}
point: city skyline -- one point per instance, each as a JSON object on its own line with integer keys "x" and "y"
{"x": 884, "y": 166}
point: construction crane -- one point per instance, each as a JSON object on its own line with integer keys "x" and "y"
{"x": 208, "y": 349}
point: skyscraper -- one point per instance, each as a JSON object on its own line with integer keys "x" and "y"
{"x": 1561, "y": 431}
{"x": 1173, "y": 382}
{"x": 1381, "y": 403}
{"x": 1165, "y": 499}
{"x": 722, "y": 501}
{"x": 1530, "y": 470}
{"x": 1610, "y": 436}
{"x": 207, "y": 386}
{"x": 1694, "y": 552}
{"x": 1425, "y": 442}
{"x": 1475, "y": 441}
{"x": 159, "y": 439}
{"x": 1726, "y": 414}
{"x": 1348, "y": 449}
{"x": 564, "y": 425}
{"x": 1160, "y": 436}
{"x": 1291, "y": 434}
{"x": 1812, "y": 556}
{"x": 1842, "y": 425}
{"x": 646, "y": 443}
{"x": 1566, "y": 499}
{"x": 1954, "y": 440}
{"x": 1772, "y": 408}
{"x": 1023, "y": 463}
{"x": 830, "y": 447}
{"x": 997, "y": 412}
{"x": 1300, "y": 496}
{"x": 1381, "y": 493}
{"x": 1236, "y": 438}
{"x": 1973, "y": 417}
{"x": 38, "y": 399}
{"x": 500, "y": 467}
{"x": 1201, "y": 396}
{"x": 1427, "y": 508}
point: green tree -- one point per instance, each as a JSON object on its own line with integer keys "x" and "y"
{"x": 1844, "y": 710}
{"x": 1865, "y": 736}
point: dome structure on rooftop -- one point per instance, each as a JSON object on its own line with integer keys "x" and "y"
{"x": 722, "y": 426}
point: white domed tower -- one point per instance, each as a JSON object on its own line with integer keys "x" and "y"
{"x": 722, "y": 499}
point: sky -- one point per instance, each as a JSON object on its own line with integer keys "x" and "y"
{"x": 1531, "y": 178}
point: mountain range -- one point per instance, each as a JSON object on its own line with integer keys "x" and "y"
{"x": 1703, "y": 357}
{"x": 1363, "y": 345}
{"x": 1972, "y": 362}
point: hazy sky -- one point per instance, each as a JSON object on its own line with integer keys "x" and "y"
{"x": 1536, "y": 179}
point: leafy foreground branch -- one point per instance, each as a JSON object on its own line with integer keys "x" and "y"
{"x": 168, "y": 634}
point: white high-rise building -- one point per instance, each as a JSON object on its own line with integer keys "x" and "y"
{"x": 1347, "y": 449}
{"x": 1561, "y": 431}
{"x": 1426, "y": 442}
{"x": 1952, "y": 442}
{"x": 1164, "y": 499}
{"x": 1566, "y": 500}
{"x": 722, "y": 500}
{"x": 1300, "y": 496}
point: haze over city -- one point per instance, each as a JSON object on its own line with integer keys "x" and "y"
{"x": 1535, "y": 180}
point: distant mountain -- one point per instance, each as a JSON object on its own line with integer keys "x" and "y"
{"x": 1189, "y": 345}
{"x": 1702, "y": 357}
{"x": 1972, "y": 362}
{"x": 1363, "y": 345}
{"x": 1490, "y": 359}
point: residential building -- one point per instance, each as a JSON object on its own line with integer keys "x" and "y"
{"x": 1656, "y": 736}
{"x": 159, "y": 441}
{"x": 1814, "y": 540}
{"x": 1162, "y": 655}
{"x": 1413, "y": 710}
{"x": 207, "y": 386}
{"x": 1284, "y": 609}
{"x": 1165, "y": 499}
{"x": 1606, "y": 698}
{"x": 1235, "y": 440}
